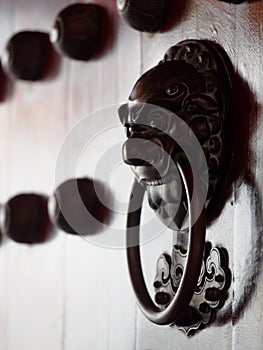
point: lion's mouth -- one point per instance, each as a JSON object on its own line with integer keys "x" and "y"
{"x": 157, "y": 182}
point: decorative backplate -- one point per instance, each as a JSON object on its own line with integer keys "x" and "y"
{"x": 208, "y": 112}
{"x": 211, "y": 290}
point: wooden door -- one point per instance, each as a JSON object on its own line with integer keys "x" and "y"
{"x": 75, "y": 293}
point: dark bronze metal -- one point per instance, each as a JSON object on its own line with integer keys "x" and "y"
{"x": 190, "y": 86}
{"x": 26, "y": 218}
{"x": 211, "y": 290}
{"x": 193, "y": 83}
{"x": 28, "y": 55}
{"x": 145, "y": 16}
{"x": 181, "y": 300}
{"x": 76, "y": 31}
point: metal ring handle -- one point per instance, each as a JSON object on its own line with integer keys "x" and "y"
{"x": 191, "y": 272}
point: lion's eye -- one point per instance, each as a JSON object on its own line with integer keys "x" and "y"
{"x": 172, "y": 90}
{"x": 155, "y": 121}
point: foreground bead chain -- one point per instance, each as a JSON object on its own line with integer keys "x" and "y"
{"x": 76, "y": 33}
{"x": 77, "y": 210}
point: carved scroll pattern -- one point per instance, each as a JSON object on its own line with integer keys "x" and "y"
{"x": 203, "y": 111}
{"x": 211, "y": 290}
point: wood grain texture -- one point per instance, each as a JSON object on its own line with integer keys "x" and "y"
{"x": 99, "y": 306}
{"x": 70, "y": 293}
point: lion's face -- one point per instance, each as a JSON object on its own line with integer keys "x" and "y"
{"x": 159, "y": 120}
{"x": 150, "y": 152}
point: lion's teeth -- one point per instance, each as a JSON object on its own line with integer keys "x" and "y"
{"x": 158, "y": 182}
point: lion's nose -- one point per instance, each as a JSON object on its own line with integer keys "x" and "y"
{"x": 136, "y": 161}
{"x": 139, "y": 152}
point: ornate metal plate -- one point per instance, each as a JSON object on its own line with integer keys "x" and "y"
{"x": 209, "y": 113}
{"x": 211, "y": 290}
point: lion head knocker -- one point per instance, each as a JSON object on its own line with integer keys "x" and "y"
{"x": 178, "y": 123}
{"x": 186, "y": 85}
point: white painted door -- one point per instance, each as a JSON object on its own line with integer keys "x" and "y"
{"x": 73, "y": 293}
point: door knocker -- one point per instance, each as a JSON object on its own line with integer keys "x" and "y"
{"x": 179, "y": 128}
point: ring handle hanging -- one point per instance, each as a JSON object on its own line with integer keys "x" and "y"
{"x": 197, "y": 230}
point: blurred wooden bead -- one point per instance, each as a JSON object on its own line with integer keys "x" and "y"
{"x": 26, "y": 218}
{"x": 76, "y": 31}
{"x": 145, "y": 16}
{"x": 77, "y": 206}
{"x": 4, "y": 84}
{"x": 27, "y": 55}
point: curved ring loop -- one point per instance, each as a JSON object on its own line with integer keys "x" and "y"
{"x": 191, "y": 272}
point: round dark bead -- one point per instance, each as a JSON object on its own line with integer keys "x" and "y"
{"x": 204, "y": 308}
{"x": 145, "y": 16}
{"x": 157, "y": 284}
{"x": 212, "y": 294}
{"x": 162, "y": 298}
{"x": 219, "y": 278}
{"x": 76, "y": 31}
{"x": 26, "y": 218}
{"x": 4, "y": 84}
{"x": 78, "y": 209}
{"x": 216, "y": 123}
{"x": 27, "y": 55}
{"x": 201, "y": 129}
{"x": 215, "y": 145}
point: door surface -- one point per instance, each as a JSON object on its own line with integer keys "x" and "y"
{"x": 74, "y": 292}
